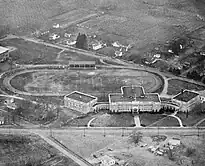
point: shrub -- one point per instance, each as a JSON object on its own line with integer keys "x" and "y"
{"x": 190, "y": 151}
{"x": 136, "y": 137}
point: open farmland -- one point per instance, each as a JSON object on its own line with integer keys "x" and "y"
{"x": 67, "y": 56}
{"x": 140, "y": 22}
{"x": 96, "y": 82}
{"x": 28, "y": 52}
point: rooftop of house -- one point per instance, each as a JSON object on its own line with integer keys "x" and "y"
{"x": 185, "y": 96}
{"x": 106, "y": 159}
{"x": 3, "y": 49}
{"x": 82, "y": 63}
{"x": 79, "y": 96}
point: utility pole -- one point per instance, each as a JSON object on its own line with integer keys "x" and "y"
{"x": 122, "y": 132}
{"x": 51, "y": 134}
{"x": 104, "y": 132}
{"x": 84, "y": 132}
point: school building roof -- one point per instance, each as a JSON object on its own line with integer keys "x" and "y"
{"x": 133, "y": 93}
{"x": 185, "y": 96}
{"x": 82, "y": 62}
{"x": 79, "y": 96}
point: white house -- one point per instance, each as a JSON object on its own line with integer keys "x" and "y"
{"x": 106, "y": 161}
{"x": 56, "y": 26}
{"x": 97, "y": 46}
{"x": 174, "y": 142}
{"x": 54, "y": 37}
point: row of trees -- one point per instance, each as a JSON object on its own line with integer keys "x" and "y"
{"x": 194, "y": 75}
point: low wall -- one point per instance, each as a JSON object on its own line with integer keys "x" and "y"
{"x": 101, "y": 105}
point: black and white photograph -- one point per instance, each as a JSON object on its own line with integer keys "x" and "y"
{"x": 102, "y": 82}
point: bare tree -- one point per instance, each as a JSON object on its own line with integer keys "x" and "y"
{"x": 136, "y": 137}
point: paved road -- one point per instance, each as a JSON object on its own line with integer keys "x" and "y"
{"x": 107, "y": 130}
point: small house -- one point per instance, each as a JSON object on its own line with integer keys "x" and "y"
{"x": 174, "y": 142}
{"x": 106, "y": 161}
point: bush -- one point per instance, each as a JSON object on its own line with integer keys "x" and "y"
{"x": 190, "y": 151}
{"x": 136, "y": 137}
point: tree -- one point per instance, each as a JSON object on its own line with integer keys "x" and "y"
{"x": 81, "y": 41}
{"x": 136, "y": 137}
{"x": 175, "y": 47}
{"x": 170, "y": 154}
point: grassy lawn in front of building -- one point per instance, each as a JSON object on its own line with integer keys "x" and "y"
{"x": 202, "y": 124}
{"x": 167, "y": 122}
{"x": 147, "y": 119}
{"x": 114, "y": 120}
{"x": 192, "y": 119}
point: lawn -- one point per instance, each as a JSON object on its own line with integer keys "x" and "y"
{"x": 167, "y": 122}
{"x": 15, "y": 149}
{"x": 80, "y": 121}
{"x": 147, "y": 119}
{"x": 85, "y": 145}
{"x": 192, "y": 118}
{"x": 175, "y": 86}
{"x": 114, "y": 120}
{"x": 202, "y": 124}
{"x": 64, "y": 117}
{"x": 67, "y": 56}
{"x": 28, "y": 52}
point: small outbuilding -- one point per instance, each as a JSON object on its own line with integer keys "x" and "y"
{"x": 106, "y": 161}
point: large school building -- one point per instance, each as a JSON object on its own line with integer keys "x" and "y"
{"x": 131, "y": 99}
{"x": 134, "y": 99}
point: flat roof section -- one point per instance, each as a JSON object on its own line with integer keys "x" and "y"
{"x": 3, "y": 49}
{"x": 79, "y": 96}
{"x": 185, "y": 96}
{"x": 132, "y": 91}
{"x": 117, "y": 97}
{"x": 82, "y": 63}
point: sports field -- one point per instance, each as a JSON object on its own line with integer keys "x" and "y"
{"x": 98, "y": 82}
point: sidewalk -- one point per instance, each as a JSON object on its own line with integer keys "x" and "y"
{"x": 137, "y": 121}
